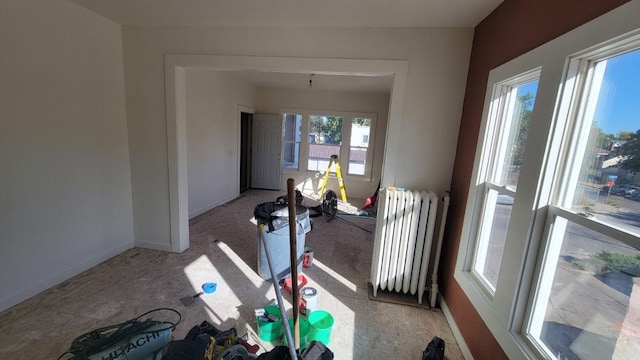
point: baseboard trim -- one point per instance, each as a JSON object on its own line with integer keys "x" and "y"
{"x": 211, "y": 206}
{"x": 454, "y": 329}
{"x": 153, "y": 246}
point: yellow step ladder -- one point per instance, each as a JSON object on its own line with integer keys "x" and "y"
{"x": 334, "y": 162}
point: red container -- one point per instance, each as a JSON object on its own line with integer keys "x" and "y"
{"x": 302, "y": 281}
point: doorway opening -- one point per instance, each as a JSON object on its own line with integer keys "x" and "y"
{"x": 246, "y": 134}
{"x": 176, "y": 66}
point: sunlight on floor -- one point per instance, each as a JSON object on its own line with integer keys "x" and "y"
{"x": 203, "y": 270}
{"x": 344, "y": 281}
{"x": 240, "y": 264}
{"x": 343, "y": 334}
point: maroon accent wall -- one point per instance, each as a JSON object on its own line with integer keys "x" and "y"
{"x": 513, "y": 28}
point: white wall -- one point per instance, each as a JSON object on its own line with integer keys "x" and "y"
{"x": 272, "y": 101}
{"x": 65, "y": 186}
{"x": 421, "y": 150}
{"x": 212, "y": 137}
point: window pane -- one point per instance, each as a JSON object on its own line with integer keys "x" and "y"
{"x": 291, "y": 135}
{"x": 360, "y": 131}
{"x": 608, "y": 185}
{"x": 586, "y": 309}
{"x": 292, "y": 127}
{"x": 325, "y": 130}
{"x": 290, "y": 155}
{"x": 357, "y": 161}
{"x": 325, "y": 138}
{"x": 492, "y": 238}
{"x": 517, "y": 117}
{"x": 510, "y": 126}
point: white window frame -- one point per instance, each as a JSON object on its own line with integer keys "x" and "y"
{"x": 505, "y": 313}
{"x": 369, "y": 148}
{"x": 294, "y": 142}
{"x": 345, "y": 147}
{"x": 493, "y": 152}
{"x": 577, "y": 105}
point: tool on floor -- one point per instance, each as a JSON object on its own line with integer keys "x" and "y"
{"x": 139, "y": 338}
{"x": 284, "y": 199}
{"x": 434, "y": 350}
{"x": 317, "y": 351}
{"x": 276, "y": 287}
{"x": 329, "y": 206}
{"x": 188, "y": 300}
{"x": 235, "y": 352}
{"x": 205, "y": 341}
{"x": 371, "y": 201}
{"x": 253, "y": 349}
{"x": 293, "y": 251}
{"x": 335, "y": 162}
{"x": 209, "y": 288}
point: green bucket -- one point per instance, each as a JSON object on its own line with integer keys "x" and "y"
{"x": 269, "y": 331}
{"x": 304, "y": 332}
{"x": 321, "y": 323}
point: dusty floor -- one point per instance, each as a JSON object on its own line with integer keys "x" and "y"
{"x": 224, "y": 250}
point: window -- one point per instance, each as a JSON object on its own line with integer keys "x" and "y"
{"x": 314, "y": 136}
{"x": 360, "y": 129}
{"x": 550, "y": 250}
{"x": 591, "y": 252}
{"x": 325, "y": 140}
{"x": 504, "y": 149}
{"x": 292, "y": 133}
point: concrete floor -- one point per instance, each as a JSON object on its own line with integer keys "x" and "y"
{"x": 224, "y": 246}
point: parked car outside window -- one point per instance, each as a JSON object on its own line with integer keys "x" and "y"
{"x": 620, "y": 190}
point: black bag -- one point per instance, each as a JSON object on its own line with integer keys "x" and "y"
{"x": 435, "y": 350}
{"x": 186, "y": 349}
{"x": 283, "y": 200}
{"x": 315, "y": 351}
{"x": 277, "y": 353}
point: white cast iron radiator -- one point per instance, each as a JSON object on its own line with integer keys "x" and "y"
{"x": 403, "y": 241}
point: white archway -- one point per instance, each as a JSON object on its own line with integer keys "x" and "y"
{"x": 175, "y": 66}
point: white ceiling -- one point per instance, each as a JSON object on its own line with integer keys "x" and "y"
{"x": 298, "y": 13}
{"x": 294, "y": 13}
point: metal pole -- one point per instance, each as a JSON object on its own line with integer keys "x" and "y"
{"x": 283, "y": 313}
{"x": 434, "y": 276}
{"x": 293, "y": 251}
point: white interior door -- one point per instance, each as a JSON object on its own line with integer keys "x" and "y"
{"x": 267, "y": 144}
